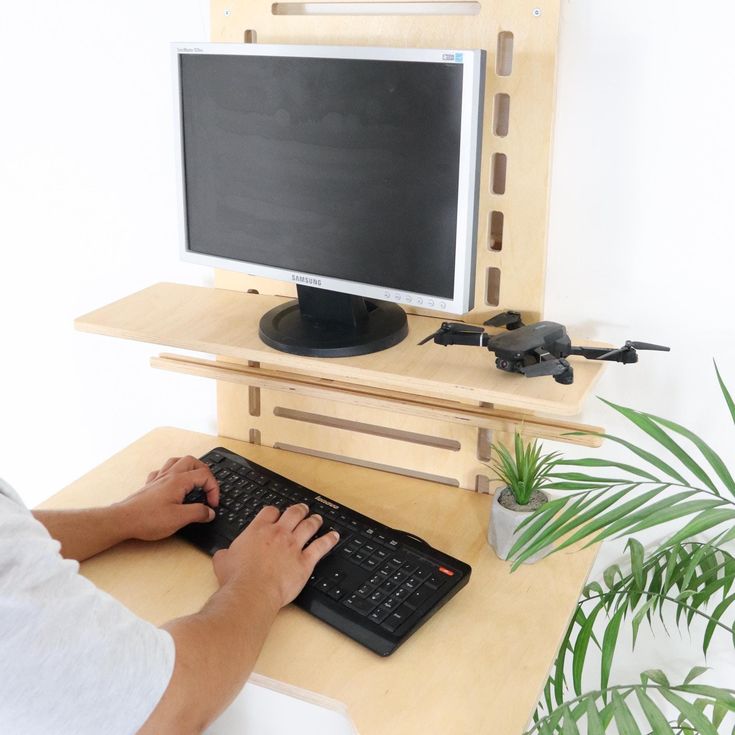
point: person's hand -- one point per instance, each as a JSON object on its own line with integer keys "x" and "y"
{"x": 271, "y": 553}
{"x": 157, "y": 511}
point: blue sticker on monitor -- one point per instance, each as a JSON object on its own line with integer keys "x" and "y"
{"x": 458, "y": 58}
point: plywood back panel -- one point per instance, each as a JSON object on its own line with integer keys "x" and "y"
{"x": 512, "y": 216}
{"x": 408, "y": 445}
{"x": 519, "y": 263}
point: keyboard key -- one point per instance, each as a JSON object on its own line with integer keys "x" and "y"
{"x": 337, "y": 592}
{"x": 359, "y": 604}
{"x": 379, "y": 614}
{"x": 197, "y": 495}
{"x": 324, "y": 585}
{"x": 391, "y": 604}
{"x": 395, "y": 621}
{"x": 417, "y": 598}
{"x": 377, "y": 596}
{"x": 434, "y": 581}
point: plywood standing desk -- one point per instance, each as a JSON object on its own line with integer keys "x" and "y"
{"x": 478, "y": 666}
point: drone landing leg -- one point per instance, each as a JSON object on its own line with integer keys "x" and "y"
{"x": 565, "y": 378}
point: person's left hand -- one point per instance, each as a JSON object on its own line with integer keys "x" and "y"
{"x": 157, "y": 510}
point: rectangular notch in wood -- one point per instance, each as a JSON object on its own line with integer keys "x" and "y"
{"x": 499, "y": 172}
{"x": 501, "y": 114}
{"x": 439, "y": 442}
{"x": 495, "y": 230}
{"x": 504, "y": 55}
{"x": 387, "y": 8}
{"x": 492, "y": 287}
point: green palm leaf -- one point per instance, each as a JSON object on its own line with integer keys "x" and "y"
{"x": 653, "y": 714}
{"x": 707, "y": 452}
{"x": 643, "y": 422}
{"x": 692, "y": 717}
{"x": 642, "y": 453}
{"x": 592, "y": 462}
{"x": 698, "y": 720}
{"x": 726, "y": 393}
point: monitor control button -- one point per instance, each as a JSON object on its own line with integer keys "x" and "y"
{"x": 430, "y": 302}
{"x": 387, "y": 294}
{"x": 398, "y": 297}
{"x": 419, "y": 300}
{"x": 408, "y": 298}
{"x": 443, "y": 305}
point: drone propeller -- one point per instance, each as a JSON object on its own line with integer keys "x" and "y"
{"x": 648, "y": 346}
{"x": 628, "y": 346}
{"x": 510, "y": 319}
{"x": 546, "y": 367}
{"x": 453, "y": 328}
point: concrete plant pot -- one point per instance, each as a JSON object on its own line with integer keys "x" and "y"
{"x": 505, "y": 517}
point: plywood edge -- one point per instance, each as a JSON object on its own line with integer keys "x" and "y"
{"x": 220, "y": 322}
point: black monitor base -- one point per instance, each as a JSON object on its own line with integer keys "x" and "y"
{"x": 329, "y": 324}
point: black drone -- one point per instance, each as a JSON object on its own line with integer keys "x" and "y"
{"x": 533, "y": 349}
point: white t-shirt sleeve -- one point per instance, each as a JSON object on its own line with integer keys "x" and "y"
{"x": 72, "y": 658}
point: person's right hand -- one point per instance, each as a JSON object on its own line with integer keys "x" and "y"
{"x": 272, "y": 555}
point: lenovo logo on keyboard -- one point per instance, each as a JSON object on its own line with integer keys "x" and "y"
{"x": 332, "y": 505}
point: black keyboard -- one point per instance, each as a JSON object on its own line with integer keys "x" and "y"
{"x": 377, "y": 586}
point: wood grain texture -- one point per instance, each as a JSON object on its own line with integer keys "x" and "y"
{"x": 476, "y": 667}
{"x": 485, "y": 417}
{"x": 225, "y": 323}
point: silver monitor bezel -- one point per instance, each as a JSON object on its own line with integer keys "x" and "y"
{"x": 470, "y": 130}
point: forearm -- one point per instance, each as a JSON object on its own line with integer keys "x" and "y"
{"x": 84, "y": 533}
{"x": 216, "y": 650}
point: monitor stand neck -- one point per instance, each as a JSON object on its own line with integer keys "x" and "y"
{"x": 324, "y": 323}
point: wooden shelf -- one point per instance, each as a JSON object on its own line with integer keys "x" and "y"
{"x": 225, "y": 323}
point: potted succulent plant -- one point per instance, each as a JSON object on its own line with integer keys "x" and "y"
{"x": 525, "y": 475}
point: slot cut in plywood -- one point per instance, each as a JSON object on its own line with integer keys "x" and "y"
{"x": 377, "y": 8}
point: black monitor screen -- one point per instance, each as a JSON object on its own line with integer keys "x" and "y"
{"x": 334, "y": 167}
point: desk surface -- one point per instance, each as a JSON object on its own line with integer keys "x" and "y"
{"x": 478, "y": 666}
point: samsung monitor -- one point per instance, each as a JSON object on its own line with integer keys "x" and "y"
{"x": 351, "y": 172}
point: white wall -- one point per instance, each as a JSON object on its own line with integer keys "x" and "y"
{"x": 642, "y": 232}
{"x": 640, "y": 241}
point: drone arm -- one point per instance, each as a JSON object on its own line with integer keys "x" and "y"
{"x": 476, "y": 339}
{"x": 605, "y": 353}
